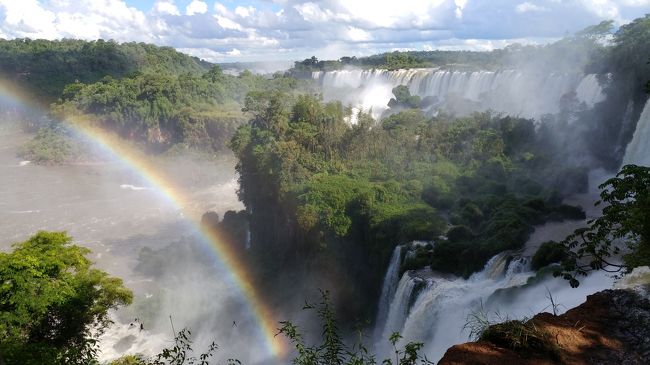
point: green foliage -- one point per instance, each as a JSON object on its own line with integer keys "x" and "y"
{"x": 128, "y": 360}
{"x": 401, "y": 60}
{"x": 52, "y": 302}
{"x": 522, "y": 336}
{"x": 163, "y": 109}
{"x": 180, "y": 353}
{"x": 46, "y": 67}
{"x": 548, "y": 253}
{"x": 155, "y": 96}
{"x": 625, "y": 221}
{"x": 403, "y": 98}
{"x": 333, "y": 351}
{"x": 355, "y": 191}
{"x": 160, "y": 111}
{"x": 630, "y": 52}
{"x": 49, "y": 146}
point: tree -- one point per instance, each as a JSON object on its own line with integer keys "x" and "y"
{"x": 404, "y": 98}
{"x": 625, "y": 220}
{"x": 53, "y": 304}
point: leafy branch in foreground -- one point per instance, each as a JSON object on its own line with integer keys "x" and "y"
{"x": 180, "y": 353}
{"x": 625, "y": 221}
{"x": 333, "y": 350}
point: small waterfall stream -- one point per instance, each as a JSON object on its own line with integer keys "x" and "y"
{"x": 389, "y": 287}
{"x": 638, "y": 150}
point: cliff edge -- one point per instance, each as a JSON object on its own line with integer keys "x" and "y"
{"x": 611, "y": 327}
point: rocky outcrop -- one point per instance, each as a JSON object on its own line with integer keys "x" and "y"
{"x": 611, "y": 327}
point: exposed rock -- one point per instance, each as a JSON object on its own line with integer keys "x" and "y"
{"x": 611, "y": 327}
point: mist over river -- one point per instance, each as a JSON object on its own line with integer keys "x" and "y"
{"x": 112, "y": 210}
{"x": 105, "y": 206}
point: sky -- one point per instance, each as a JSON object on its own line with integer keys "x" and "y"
{"x": 274, "y": 30}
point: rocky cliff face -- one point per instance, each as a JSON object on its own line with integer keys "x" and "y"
{"x": 611, "y": 327}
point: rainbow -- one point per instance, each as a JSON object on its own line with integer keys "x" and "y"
{"x": 140, "y": 164}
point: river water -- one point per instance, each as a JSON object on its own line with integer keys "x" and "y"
{"x": 111, "y": 209}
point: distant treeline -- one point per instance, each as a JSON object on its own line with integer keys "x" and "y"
{"x": 154, "y": 96}
{"x": 568, "y": 54}
{"x": 45, "y": 67}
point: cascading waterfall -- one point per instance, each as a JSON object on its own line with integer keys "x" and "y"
{"x": 439, "y": 314}
{"x": 389, "y": 287}
{"x": 638, "y": 150}
{"x": 405, "y": 296}
{"x": 510, "y": 91}
{"x": 432, "y": 308}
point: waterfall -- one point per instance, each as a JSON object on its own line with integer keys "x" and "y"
{"x": 389, "y": 287}
{"x": 405, "y": 296}
{"x": 514, "y": 92}
{"x": 434, "y": 309}
{"x": 589, "y": 90}
{"x": 638, "y": 150}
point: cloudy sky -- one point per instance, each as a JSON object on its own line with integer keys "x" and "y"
{"x": 265, "y": 30}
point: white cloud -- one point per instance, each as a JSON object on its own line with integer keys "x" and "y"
{"x": 313, "y": 13}
{"x": 244, "y": 11}
{"x": 612, "y": 9}
{"x": 358, "y": 35}
{"x": 196, "y": 7}
{"x": 166, "y": 7}
{"x": 86, "y": 19}
{"x": 227, "y": 23}
{"x": 460, "y": 5}
{"x": 390, "y": 14}
{"x": 29, "y": 18}
{"x": 529, "y": 7}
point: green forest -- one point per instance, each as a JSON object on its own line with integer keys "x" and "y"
{"x": 156, "y": 97}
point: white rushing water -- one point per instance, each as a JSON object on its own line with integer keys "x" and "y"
{"x": 432, "y": 308}
{"x": 638, "y": 150}
{"x": 400, "y": 305}
{"x": 389, "y": 286}
{"x": 461, "y": 92}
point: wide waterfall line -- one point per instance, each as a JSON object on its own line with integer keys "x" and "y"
{"x": 638, "y": 150}
{"x": 514, "y": 92}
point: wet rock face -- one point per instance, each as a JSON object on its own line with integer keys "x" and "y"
{"x": 631, "y": 313}
{"x": 611, "y": 327}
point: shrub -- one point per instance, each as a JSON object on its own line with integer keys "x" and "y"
{"x": 548, "y": 253}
